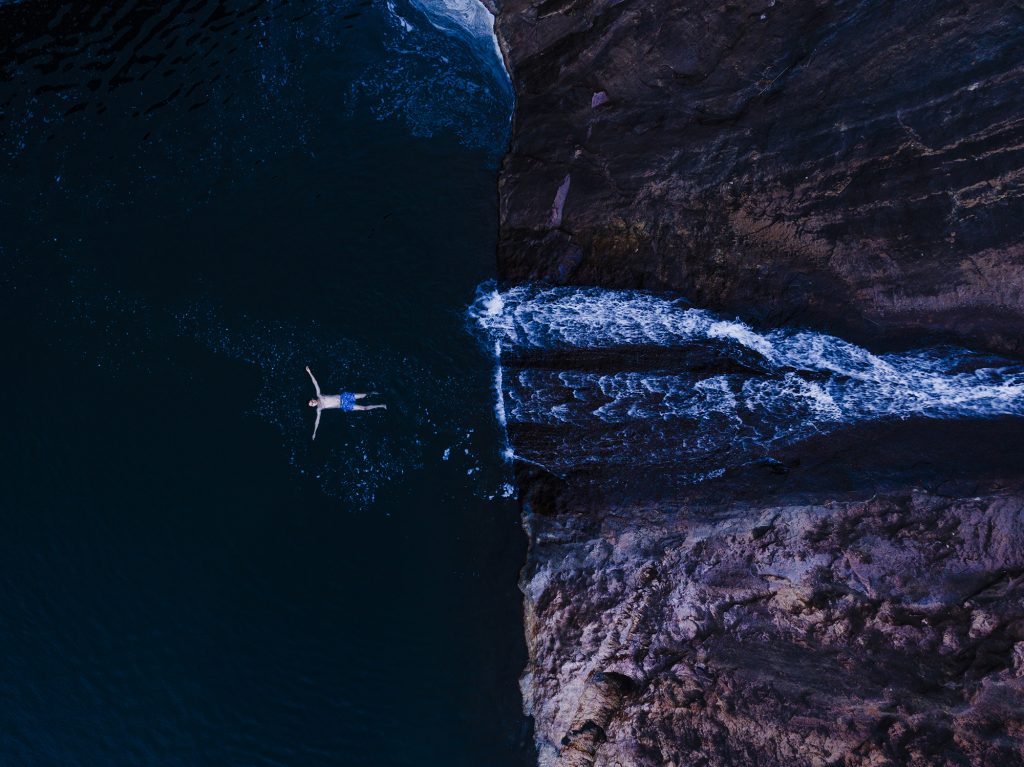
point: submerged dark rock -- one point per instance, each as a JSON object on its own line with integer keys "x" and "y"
{"x": 852, "y": 166}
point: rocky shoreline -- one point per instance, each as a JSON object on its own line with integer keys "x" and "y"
{"x": 855, "y": 167}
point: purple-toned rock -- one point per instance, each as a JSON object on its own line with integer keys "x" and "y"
{"x": 885, "y": 631}
{"x": 855, "y": 166}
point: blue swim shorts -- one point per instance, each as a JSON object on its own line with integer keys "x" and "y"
{"x": 348, "y": 401}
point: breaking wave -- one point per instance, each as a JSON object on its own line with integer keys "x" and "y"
{"x": 593, "y": 376}
{"x": 468, "y": 19}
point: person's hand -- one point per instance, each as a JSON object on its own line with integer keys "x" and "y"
{"x": 307, "y": 368}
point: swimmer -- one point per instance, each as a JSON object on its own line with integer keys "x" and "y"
{"x": 344, "y": 401}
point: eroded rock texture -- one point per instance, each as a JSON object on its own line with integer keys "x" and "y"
{"x": 859, "y": 164}
{"x": 879, "y": 631}
{"x": 853, "y": 166}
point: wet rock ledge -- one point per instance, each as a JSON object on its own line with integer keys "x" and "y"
{"x": 853, "y": 166}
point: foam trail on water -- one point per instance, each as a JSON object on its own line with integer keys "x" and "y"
{"x": 487, "y": 307}
{"x": 566, "y": 318}
{"x": 499, "y": 387}
{"x": 728, "y": 391}
{"x": 467, "y": 18}
{"x": 442, "y": 74}
{"x": 489, "y": 304}
{"x": 576, "y": 396}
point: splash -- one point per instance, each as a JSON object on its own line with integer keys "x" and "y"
{"x": 699, "y": 388}
{"x": 464, "y": 18}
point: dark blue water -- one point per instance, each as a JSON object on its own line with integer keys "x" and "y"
{"x": 198, "y": 199}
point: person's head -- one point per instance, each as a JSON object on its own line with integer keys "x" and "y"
{"x": 313, "y": 403}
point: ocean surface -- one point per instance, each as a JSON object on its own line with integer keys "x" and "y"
{"x": 197, "y": 200}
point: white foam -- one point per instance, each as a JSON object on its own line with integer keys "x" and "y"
{"x": 402, "y": 21}
{"x": 463, "y": 17}
{"x": 441, "y": 73}
{"x": 499, "y": 388}
{"x": 539, "y": 318}
{"x": 544, "y": 396}
{"x": 494, "y": 304}
{"x": 806, "y": 382}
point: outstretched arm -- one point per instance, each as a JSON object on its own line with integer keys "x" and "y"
{"x": 317, "y": 424}
{"x": 315, "y": 384}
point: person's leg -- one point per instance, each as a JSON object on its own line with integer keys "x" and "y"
{"x": 360, "y": 395}
{"x": 369, "y": 407}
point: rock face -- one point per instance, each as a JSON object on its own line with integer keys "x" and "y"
{"x": 854, "y": 166}
{"x": 881, "y": 631}
{"x": 859, "y": 164}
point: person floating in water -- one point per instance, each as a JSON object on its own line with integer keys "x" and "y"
{"x": 344, "y": 401}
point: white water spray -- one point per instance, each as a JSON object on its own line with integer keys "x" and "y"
{"x": 750, "y": 388}
{"x": 463, "y": 18}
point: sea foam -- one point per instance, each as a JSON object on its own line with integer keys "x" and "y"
{"x": 804, "y": 382}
